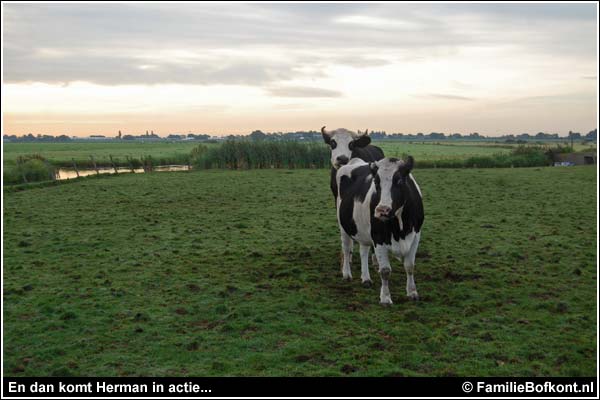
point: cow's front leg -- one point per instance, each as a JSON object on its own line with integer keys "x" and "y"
{"x": 365, "y": 277}
{"x": 409, "y": 267}
{"x": 347, "y": 246}
{"x": 385, "y": 271}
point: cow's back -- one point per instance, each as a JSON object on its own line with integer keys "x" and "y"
{"x": 368, "y": 154}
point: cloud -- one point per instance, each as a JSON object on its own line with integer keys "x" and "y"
{"x": 301, "y": 91}
{"x": 114, "y": 69}
{"x": 266, "y": 44}
{"x": 443, "y": 96}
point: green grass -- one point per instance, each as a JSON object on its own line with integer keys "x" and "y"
{"x": 236, "y": 273}
{"x": 459, "y": 150}
{"x": 63, "y": 153}
{"x": 163, "y": 153}
{"x": 436, "y": 151}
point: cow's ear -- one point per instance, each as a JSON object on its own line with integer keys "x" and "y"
{"x": 362, "y": 141}
{"x": 373, "y": 167}
{"x": 407, "y": 166}
{"x": 326, "y": 136}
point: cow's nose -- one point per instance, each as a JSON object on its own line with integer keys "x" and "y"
{"x": 342, "y": 160}
{"x": 383, "y": 211}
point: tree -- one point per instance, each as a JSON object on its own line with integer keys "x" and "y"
{"x": 257, "y": 135}
{"x": 593, "y": 135}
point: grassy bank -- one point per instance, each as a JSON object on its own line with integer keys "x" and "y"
{"x": 62, "y": 154}
{"x": 258, "y": 155}
{"x": 237, "y": 273}
{"x": 251, "y": 155}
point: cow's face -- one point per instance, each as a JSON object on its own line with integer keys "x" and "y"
{"x": 342, "y": 143}
{"x": 390, "y": 176}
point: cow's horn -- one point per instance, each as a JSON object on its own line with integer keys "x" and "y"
{"x": 323, "y": 131}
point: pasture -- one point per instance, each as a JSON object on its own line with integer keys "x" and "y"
{"x": 63, "y": 153}
{"x": 236, "y": 273}
{"x": 178, "y": 151}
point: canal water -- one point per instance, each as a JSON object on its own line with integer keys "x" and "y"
{"x": 67, "y": 173}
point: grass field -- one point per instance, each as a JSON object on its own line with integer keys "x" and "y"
{"x": 236, "y": 273}
{"x": 177, "y": 152}
{"x": 63, "y": 153}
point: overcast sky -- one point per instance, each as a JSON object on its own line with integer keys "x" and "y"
{"x": 83, "y": 69}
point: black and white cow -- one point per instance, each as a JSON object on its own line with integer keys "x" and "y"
{"x": 379, "y": 204}
{"x": 346, "y": 145}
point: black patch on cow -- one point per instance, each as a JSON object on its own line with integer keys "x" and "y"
{"x": 362, "y": 141}
{"x": 353, "y": 187}
{"x": 369, "y": 154}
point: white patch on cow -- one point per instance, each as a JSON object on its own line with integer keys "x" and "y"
{"x": 346, "y": 170}
{"x": 416, "y": 184}
{"x": 399, "y": 216}
{"x": 342, "y": 138}
{"x": 362, "y": 219}
{"x": 409, "y": 267}
{"x": 365, "y": 277}
{"x": 347, "y": 245}
{"x": 401, "y": 247}
{"x": 386, "y": 170}
{"x": 385, "y": 270}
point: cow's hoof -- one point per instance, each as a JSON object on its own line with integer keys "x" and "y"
{"x": 414, "y": 296}
{"x": 367, "y": 284}
{"x": 347, "y": 278}
{"x": 387, "y": 301}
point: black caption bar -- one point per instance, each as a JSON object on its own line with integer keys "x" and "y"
{"x": 299, "y": 387}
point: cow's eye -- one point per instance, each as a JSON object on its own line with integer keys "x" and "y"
{"x": 333, "y": 144}
{"x": 351, "y": 146}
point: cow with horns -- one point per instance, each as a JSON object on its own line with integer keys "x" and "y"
{"x": 379, "y": 204}
{"x": 346, "y": 145}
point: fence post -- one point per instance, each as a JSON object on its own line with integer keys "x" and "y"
{"x": 95, "y": 166}
{"x": 19, "y": 165}
{"x": 51, "y": 171}
{"x": 75, "y": 166}
{"x": 130, "y": 164}
{"x": 113, "y": 164}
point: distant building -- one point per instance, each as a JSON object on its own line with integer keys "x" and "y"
{"x": 583, "y": 158}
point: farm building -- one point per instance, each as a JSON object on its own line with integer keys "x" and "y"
{"x": 584, "y": 158}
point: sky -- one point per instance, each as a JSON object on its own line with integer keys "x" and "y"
{"x": 222, "y": 68}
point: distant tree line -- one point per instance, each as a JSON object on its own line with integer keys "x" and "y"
{"x": 314, "y": 136}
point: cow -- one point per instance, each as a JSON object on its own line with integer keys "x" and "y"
{"x": 346, "y": 145}
{"x": 379, "y": 204}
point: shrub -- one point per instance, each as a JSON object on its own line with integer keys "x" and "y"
{"x": 243, "y": 154}
{"x": 32, "y": 168}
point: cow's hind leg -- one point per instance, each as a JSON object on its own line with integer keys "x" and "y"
{"x": 385, "y": 270}
{"x": 365, "y": 277}
{"x": 409, "y": 267}
{"x": 347, "y": 245}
